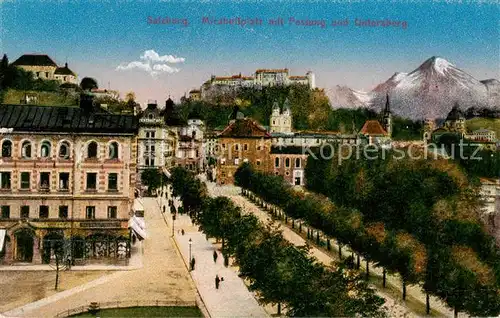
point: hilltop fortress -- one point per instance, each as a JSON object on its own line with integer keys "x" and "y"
{"x": 261, "y": 78}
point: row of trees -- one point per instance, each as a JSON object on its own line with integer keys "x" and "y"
{"x": 412, "y": 218}
{"x": 278, "y": 271}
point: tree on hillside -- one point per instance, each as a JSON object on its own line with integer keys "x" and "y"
{"x": 88, "y": 83}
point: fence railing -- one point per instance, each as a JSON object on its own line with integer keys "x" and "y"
{"x": 125, "y": 304}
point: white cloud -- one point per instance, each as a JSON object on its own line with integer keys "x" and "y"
{"x": 134, "y": 65}
{"x": 153, "y": 63}
{"x": 165, "y": 68}
{"x": 151, "y": 55}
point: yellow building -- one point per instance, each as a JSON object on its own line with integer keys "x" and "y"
{"x": 67, "y": 181}
{"x": 42, "y": 66}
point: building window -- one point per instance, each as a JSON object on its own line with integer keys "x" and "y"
{"x": 45, "y": 149}
{"x": 150, "y": 134}
{"x": 47, "y": 74}
{"x": 276, "y": 173}
{"x": 92, "y": 150}
{"x": 63, "y": 212}
{"x": 277, "y": 162}
{"x": 113, "y": 181}
{"x": 5, "y": 180}
{"x": 25, "y": 180}
{"x": 113, "y": 150}
{"x": 287, "y": 162}
{"x": 64, "y": 150}
{"x": 112, "y": 212}
{"x": 44, "y": 212}
{"x": 297, "y": 162}
{"x": 245, "y": 147}
{"x": 90, "y": 212}
{"x": 45, "y": 180}
{"x": 236, "y": 147}
{"x": 223, "y": 146}
{"x": 91, "y": 181}
{"x": 26, "y": 150}
{"x": 287, "y": 173}
{"x": 64, "y": 181}
{"x": 258, "y": 162}
{"x": 5, "y": 212}
{"x": 25, "y": 211}
{"x": 223, "y": 161}
{"x": 236, "y": 161}
{"x": 7, "y": 149}
{"x": 152, "y": 148}
{"x": 259, "y": 147}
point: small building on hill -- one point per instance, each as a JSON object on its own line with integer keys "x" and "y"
{"x": 44, "y": 67}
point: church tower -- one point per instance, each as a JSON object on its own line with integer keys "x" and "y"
{"x": 275, "y": 119}
{"x": 387, "y": 117}
{"x": 286, "y": 118}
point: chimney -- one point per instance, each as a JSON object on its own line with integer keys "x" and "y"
{"x": 87, "y": 102}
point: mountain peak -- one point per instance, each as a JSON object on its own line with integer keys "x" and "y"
{"x": 436, "y": 63}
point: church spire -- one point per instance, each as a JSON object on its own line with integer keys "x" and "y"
{"x": 387, "y": 108}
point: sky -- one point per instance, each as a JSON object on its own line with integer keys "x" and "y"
{"x": 118, "y": 43}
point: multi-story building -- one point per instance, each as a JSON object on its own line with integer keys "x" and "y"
{"x": 156, "y": 141}
{"x": 290, "y": 163}
{"x": 243, "y": 140}
{"x": 67, "y": 179}
{"x": 191, "y": 151}
{"x": 44, "y": 67}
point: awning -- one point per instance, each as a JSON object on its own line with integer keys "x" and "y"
{"x": 135, "y": 224}
{"x": 2, "y": 238}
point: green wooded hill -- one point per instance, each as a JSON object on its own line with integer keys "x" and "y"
{"x": 311, "y": 110}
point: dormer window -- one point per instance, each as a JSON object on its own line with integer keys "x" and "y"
{"x": 113, "y": 150}
{"x": 92, "y": 150}
{"x": 45, "y": 149}
{"x": 64, "y": 150}
{"x": 26, "y": 149}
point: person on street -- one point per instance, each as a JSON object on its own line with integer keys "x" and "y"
{"x": 182, "y": 232}
{"x": 215, "y": 256}
{"x": 192, "y": 264}
{"x": 217, "y": 281}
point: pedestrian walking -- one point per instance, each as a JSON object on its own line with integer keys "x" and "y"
{"x": 182, "y": 232}
{"x": 192, "y": 264}
{"x": 217, "y": 281}
{"x": 215, "y": 256}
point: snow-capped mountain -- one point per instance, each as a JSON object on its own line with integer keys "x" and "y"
{"x": 430, "y": 91}
{"x": 343, "y": 96}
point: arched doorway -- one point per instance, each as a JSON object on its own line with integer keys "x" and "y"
{"x": 53, "y": 245}
{"x": 24, "y": 246}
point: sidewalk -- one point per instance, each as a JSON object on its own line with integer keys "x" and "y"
{"x": 232, "y": 299}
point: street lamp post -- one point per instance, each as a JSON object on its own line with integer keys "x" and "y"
{"x": 190, "y": 260}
